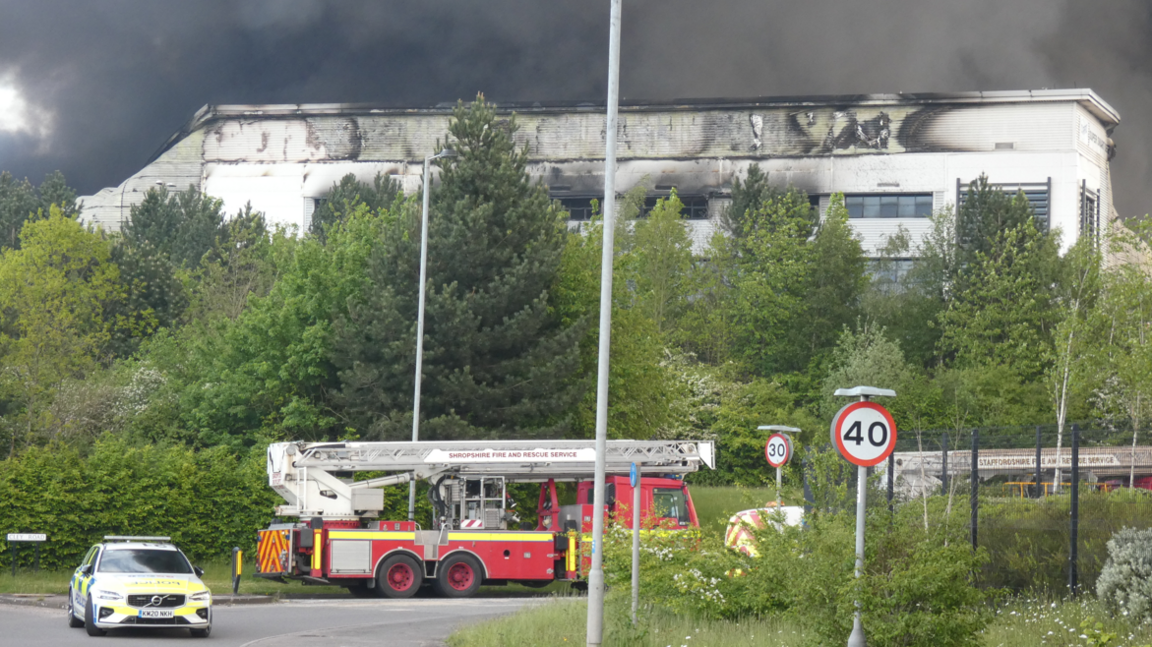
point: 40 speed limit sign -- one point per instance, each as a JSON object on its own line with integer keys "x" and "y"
{"x": 778, "y": 450}
{"x": 864, "y": 433}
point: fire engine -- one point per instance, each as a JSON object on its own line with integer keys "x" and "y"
{"x": 476, "y": 537}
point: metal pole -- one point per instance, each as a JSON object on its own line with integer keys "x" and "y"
{"x": 975, "y": 484}
{"x": 944, "y": 463}
{"x": 809, "y": 499}
{"x": 1073, "y": 553}
{"x": 1039, "y": 484}
{"x": 595, "y": 628}
{"x": 778, "y": 479}
{"x": 420, "y": 331}
{"x": 856, "y": 639}
{"x": 891, "y": 482}
{"x": 636, "y": 546}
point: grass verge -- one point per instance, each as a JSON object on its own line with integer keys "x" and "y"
{"x": 1018, "y": 623}
{"x": 218, "y": 577}
{"x": 563, "y": 622}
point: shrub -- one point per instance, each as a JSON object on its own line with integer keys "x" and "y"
{"x": 1125, "y": 583}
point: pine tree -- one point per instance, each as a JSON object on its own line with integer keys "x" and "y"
{"x": 343, "y": 197}
{"x": 184, "y": 225}
{"x": 497, "y": 362}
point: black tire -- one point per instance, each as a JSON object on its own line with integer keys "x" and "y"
{"x": 400, "y": 576}
{"x": 73, "y": 621}
{"x": 458, "y": 576}
{"x": 90, "y": 619}
{"x": 201, "y": 633}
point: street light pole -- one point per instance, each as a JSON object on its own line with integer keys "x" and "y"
{"x": 595, "y": 626}
{"x": 447, "y": 152}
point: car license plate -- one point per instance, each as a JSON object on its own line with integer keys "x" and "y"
{"x": 155, "y": 613}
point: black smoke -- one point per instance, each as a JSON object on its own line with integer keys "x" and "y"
{"x": 113, "y": 79}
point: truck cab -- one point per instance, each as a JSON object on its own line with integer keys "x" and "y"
{"x": 664, "y": 502}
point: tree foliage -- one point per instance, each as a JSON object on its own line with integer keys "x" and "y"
{"x": 497, "y": 361}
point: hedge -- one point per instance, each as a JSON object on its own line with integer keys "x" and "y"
{"x": 208, "y": 501}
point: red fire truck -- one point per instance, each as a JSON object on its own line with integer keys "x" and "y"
{"x": 475, "y": 538}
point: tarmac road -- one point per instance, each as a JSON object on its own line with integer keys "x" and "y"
{"x": 349, "y": 622}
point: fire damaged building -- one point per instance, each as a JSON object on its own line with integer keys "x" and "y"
{"x": 895, "y": 157}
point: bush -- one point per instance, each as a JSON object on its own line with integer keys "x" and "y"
{"x": 207, "y": 501}
{"x": 1125, "y": 583}
{"x": 918, "y": 586}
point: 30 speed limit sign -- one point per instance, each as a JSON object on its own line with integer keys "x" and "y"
{"x": 778, "y": 451}
{"x": 864, "y": 433}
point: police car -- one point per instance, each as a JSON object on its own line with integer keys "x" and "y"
{"x": 138, "y": 582}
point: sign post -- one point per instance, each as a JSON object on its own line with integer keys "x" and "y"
{"x": 634, "y": 479}
{"x": 778, "y": 451}
{"x": 865, "y": 435}
{"x": 35, "y": 537}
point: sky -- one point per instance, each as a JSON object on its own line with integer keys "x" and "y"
{"x": 93, "y": 89}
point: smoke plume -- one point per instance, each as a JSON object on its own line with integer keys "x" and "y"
{"x": 103, "y": 84}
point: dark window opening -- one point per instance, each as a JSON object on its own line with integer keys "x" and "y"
{"x": 579, "y": 208}
{"x": 881, "y": 205}
{"x": 695, "y": 206}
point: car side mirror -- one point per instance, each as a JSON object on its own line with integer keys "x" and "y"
{"x": 198, "y": 571}
{"x": 86, "y": 569}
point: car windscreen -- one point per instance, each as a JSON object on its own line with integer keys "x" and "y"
{"x": 144, "y": 560}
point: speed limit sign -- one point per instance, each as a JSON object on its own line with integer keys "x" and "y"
{"x": 778, "y": 450}
{"x": 864, "y": 433}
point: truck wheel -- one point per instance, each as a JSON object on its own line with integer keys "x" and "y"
{"x": 400, "y": 576}
{"x": 90, "y": 619}
{"x": 458, "y": 576}
{"x": 73, "y": 621}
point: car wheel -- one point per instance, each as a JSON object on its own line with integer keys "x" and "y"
{"x": 90, "y": 619}
{"x": 458, "y": 576}
{"x": 400, "y": 576}
{"x": 73, "y": 621}
{"x": 202, "y": 633}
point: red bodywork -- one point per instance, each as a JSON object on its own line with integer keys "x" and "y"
{"x": 352, "y": 553}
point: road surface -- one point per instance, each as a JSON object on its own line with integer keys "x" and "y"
{"x": 296, "y": 623}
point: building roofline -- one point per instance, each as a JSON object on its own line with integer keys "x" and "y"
{"x": 1085, "y": 96}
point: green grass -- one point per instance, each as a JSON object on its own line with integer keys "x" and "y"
{"x": 218, "y": 577}
{"x": 1040, "y": 623}
{"x": 563, "y": 622}
{"x": 714, "y": 504}
{"x": 1018, "y": 623}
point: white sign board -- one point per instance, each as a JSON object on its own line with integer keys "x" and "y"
{"x": 27, "y": 536}
{"x": 864, "y": 433}
{"x": 778, "y": 450}
{"x": 582, "y": 455}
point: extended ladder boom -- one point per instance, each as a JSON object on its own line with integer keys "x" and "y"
{"x": 302, "y": 472}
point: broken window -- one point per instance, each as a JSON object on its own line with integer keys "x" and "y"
{"x": 882, "y": 205}
{"x": 579, "y": 208}
{"x": 695, "y": 206}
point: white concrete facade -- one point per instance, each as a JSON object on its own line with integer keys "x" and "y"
{"x": 282, "y": 158}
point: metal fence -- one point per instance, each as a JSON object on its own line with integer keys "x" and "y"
{"x": 1043, "y": 504}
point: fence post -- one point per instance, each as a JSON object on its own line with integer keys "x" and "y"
{"x": 237, "y": 556}
{"x": 1072, "y": 552}
{"x": 975, "y": 484}
{"x": 944, "y": 463}
{"x": 891, "y": 481}
{"x": 1039, "y": 488}
{"x": 809, "y": 500}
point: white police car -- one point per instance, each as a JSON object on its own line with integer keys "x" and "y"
{"x": 138, "y": 582}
